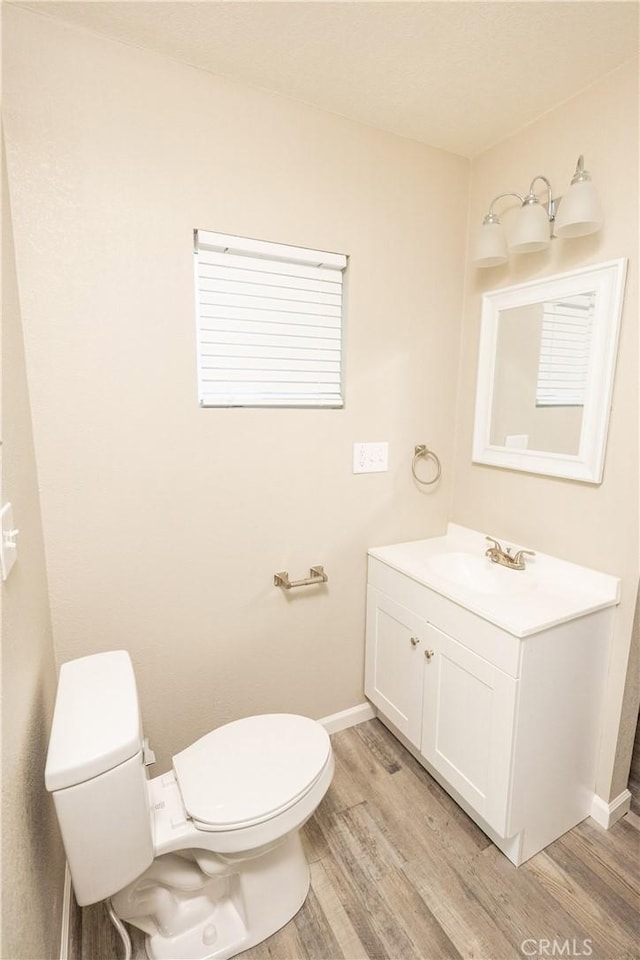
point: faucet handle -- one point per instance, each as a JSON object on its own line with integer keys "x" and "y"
{"x": 523, "y": 553}
{"x": 494, "y": 551}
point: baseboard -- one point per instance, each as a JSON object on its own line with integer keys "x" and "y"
{"x": 606, "y": 814}
{"x": 347, "y": 718}
{"x": 65, "y": 930}
{"x": 71, "y": 922}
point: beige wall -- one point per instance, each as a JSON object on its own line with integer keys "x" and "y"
{"x": 593, "y": 525}
{"x": 32, "y": 858}
{"x": 164, "y": 523}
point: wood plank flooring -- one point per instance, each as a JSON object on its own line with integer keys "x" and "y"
{"x": 399, "y": 872}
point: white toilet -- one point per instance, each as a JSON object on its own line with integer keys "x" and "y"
{"x": 207, "y": 859}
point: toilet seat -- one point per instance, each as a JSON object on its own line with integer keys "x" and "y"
{"x": 251, "y": 770}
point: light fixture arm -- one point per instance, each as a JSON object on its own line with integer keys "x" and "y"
{"x": 491, "y": 217}
{"x": 581, "y": 174}
{"x": 551, "y": 203}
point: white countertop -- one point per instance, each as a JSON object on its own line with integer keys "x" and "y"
{"x": 547, "y": 592}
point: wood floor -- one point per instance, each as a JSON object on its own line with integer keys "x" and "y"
{"x": 399, "y": 872}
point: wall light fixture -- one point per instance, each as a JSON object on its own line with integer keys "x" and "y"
{"x": 534, "y": 223}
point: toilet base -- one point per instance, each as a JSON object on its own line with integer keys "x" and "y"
{"x": 223, "y": 932}
{"x": 215, "y": 907}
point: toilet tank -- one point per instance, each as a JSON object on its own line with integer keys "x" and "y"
{"x": 96, "y": 773}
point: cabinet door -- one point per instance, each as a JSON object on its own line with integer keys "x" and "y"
{"x": 394, "y": 662}
{"x": 468, "y": 723}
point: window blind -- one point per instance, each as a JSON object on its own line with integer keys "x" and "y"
{"x": 269, "y": 323}
{"x": 564, "y": 351}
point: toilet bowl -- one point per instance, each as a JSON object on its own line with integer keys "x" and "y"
{"x": 206, "y": 859}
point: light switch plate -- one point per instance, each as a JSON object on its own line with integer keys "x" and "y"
{"x": 8, "y": 545}
{"x": 370, "y": 457}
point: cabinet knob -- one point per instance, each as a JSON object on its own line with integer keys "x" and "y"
{"x": 428, "y": 654}
{"x": 415, "y": 641}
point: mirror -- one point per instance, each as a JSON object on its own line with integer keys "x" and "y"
{"x": 545, "y": 372}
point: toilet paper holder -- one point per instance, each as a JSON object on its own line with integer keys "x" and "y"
{"x": 316, "y": 575}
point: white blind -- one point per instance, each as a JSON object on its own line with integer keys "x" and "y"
{"x": 269, "y": 322}
{"x": 564, "y": 351}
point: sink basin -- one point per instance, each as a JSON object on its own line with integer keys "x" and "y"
{"x": 547, "y": 592}
{"x": 478, "y": 573}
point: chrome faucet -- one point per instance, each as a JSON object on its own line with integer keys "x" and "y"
{"x": 503, "y": 556}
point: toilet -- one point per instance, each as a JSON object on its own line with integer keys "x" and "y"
{"x": 207, "y": 859}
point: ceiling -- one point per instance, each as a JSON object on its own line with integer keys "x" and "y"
{"x": 456, "y": 74}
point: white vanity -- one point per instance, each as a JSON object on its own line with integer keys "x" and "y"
{"x": 493, "y": 678}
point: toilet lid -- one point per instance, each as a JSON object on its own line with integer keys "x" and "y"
{"x": 249, "y": 770}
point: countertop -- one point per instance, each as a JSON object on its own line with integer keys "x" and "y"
{"x": 547, "y": 592}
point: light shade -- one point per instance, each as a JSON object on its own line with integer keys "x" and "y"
{"x": 579, "y": 212}
{"x": 531, "y": 231}
{"x": 489, "y": 246}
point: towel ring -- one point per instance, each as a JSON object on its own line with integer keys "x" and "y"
{"x": 421, "y": 451}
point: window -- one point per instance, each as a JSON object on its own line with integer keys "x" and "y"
{"x": 269, "y": 323}
{"x": 564, "y": 351}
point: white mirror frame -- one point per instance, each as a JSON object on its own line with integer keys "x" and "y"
{"x": 607, "y": 280}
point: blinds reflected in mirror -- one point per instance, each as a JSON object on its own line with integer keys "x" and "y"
{"x": 565, "y": 347}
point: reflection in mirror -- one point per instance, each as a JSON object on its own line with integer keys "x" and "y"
{"x": 541, "y": 371}
{"x": 545, "y": 372}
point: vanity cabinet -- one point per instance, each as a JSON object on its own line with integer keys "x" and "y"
{"x": 456, "y": 707}
{"x": 393, "y": 669}
{"x": 508, "y": 725}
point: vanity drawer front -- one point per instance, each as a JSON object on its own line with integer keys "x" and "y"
{"x": 483, "y": 638}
